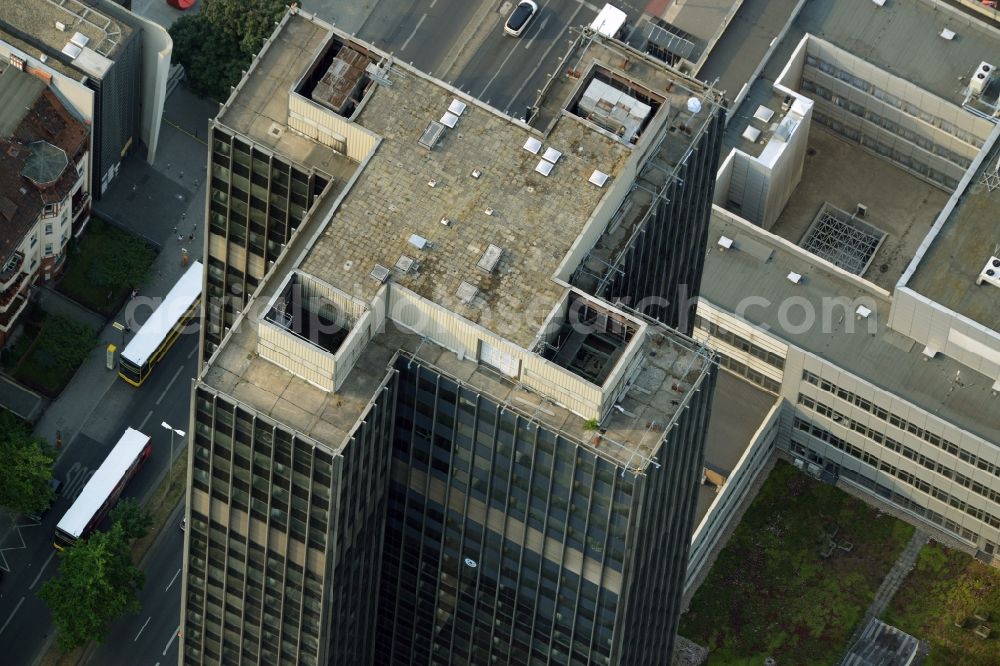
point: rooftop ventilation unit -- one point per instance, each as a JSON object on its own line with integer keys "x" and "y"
{"x": 405, "y": 263}
{"x": 725, "y": 243}
{"x": 544, "y": 167}
{"x": 488, "y": 262}
{"x": 551, "y": 155}
{"x": 467, "y": 292}
{"x": 880, "y": 3}
{"x": 598, "y": 178}
{"x": 380, "y": 273}
{"x": 862, "y": 312}
{"x": 79, "y": 39}
{"x": 419, "y": 241}
{"x": 990, "y": 272}
{"x": 794, "y": 277}
{"x": 532, "y": 145}
{"x": 457, "y": 107}
{"x": 72, "y": 50}
{"x": 60, "y": 26}
{"x": 981, "y": 78}
{"x": 431, "y": 135}
{"x": 947, "y": 34}
{"x": 449, "y": 119}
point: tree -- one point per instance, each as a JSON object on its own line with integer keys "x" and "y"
{"x": 134, "y": 518}
{"x": 27, "y": 467}
{"x": 217, "y": 44}
{"x": 97, "y": 583}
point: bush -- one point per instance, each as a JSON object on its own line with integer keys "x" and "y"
{"x": 54, "y": 355}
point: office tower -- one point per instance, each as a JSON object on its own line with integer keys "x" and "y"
{"x": 415, "y": 438}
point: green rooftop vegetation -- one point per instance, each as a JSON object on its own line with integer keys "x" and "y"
{"x": 951, "y": 601}
{"x": 796, "y": 577}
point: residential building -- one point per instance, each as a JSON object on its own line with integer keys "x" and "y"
{"x": 442, "y": 417}
{"x": 44, "y": 186}
{"x": 109, "y": 64}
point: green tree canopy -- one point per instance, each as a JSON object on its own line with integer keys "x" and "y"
{"x": 217, "y": 44}
{"x": 26, "y": 469}
{"x": 134, "y": 518}
{"x": 97, "y": 583}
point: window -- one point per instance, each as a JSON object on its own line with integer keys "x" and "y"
{"x": 48, "y": 227}
{"x": 48, "y": 249}
{"x": 50, "y": 210}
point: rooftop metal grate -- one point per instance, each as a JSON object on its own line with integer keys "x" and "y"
{"x": 842, "y": 239}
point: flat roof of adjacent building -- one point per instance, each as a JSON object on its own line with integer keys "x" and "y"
{"x": 36, "y": 21}
{"x": 903, "y": 38}
{"x": 843, "y": 174}
{"x": 960, "y": 249}
{"x": 885, "y": 359}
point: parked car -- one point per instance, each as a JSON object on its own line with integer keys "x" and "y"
{"x": 520, "y": 18}
{"x": 56, "y": 485}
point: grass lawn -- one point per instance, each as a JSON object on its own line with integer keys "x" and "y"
{"x": 948, "y": 586}
{"x": 771, "y": 593}
{"x": 49, "y": 352}
{"x": 104, "y": 266}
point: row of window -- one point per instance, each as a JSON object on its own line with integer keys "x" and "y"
{"x": 908, "y": 478}
{"x": 901, "y": 423}
{"x": 902, "y": 158}
{"x": 739, "y": 342}
{"x": 887, "y": 124}
{"x": 923, "y": 486}
{"x": 890, "y": 495}
{"x": 890, "y": 99}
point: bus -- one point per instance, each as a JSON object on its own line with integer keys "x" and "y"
{"x": 103, "y": 489}
{"x": 162, "y": 328}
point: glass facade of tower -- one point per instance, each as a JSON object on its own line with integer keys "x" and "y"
{"x": 256, "y": 200}
{"x": 449, "y": 529}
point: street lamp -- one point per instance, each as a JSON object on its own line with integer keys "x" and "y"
{"x": 170, "y": 462}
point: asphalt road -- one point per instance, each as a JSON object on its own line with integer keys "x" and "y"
{"x": 463, "y": 43}
{"x": 25, "y": 623}
{"x": 150, "y": 637}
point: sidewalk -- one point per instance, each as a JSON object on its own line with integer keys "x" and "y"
{"x": 168, "y": 194}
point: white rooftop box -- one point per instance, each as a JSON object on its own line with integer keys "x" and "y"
{"x": 609, "y": 21}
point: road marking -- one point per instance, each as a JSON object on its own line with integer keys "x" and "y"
{"x": 166, "y": 390}
{"x": 545, "y": 55}
{"x": 541, "y": 28}
{"x": 433, "y": 2}
{"x": 191, "y": 353}
{"x": 143, "y": 628}
{"x": 143, "y": 424}
{"x": 172, "y": 580}
{"x": 11, "y": 617}
{"x": 171, "y": 641}
{"x": 76, "y": 479}
{"x": 407, "y": 42}
{"x": 497, "y": 73}
{"x": 49, "y": 559}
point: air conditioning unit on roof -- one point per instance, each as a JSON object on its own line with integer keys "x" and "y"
{"x": 990, "y": 272}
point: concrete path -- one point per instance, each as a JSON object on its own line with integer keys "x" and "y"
{"x": 55, "y": 303}
{"x": 22, "y": 401}
{"x": 892, "y": 581}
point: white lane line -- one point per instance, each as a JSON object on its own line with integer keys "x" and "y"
{"x": 143, "y": 628}
{"x": 545, "y": 55}
{"x": 143, "y": 424}
{"x": 40, "y": 571}
{"x": 541, "y": 29}
{"x": 191, "y": 353}
{"x": 407, "y": 42}
{"x": 171, "y": 641}
{"x": 167, "y": 390}
{"x": 172, "y": 580}
{"x": 497, "y": 73}
{"x": 11, "y": 617}
{"x": 433, "y": 2}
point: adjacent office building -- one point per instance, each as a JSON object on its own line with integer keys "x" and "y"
{"x": 107, "y": 63}
{"x": 852, "y": 263}
{"x": 441, "y": 416}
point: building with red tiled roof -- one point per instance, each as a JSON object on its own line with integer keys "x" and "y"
{"x": 44, "y": 186}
